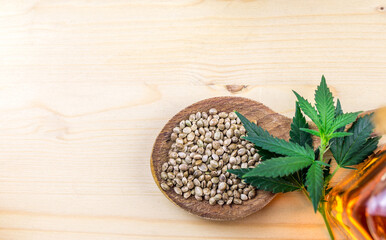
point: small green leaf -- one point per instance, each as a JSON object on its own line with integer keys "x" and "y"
{"x": 323, "y": 163}
{"x": 314, "y": 184}
{"x": 254, "y": 130}
{"x": 308, "y": 109}
{"x": 299, "y": 122}
{"x": 324, "y": 103}
{"x": 336, "y": 143}
{"x": 350, "y": 168}
{"x": 340, "y": 134}
{"x": 366, "y": 150}
{"x": 283, "y": 147}
{"x": 279, "y": 167}
{"x": 240, "y": 172}
{"x": 352, "y": 146}
{"x": 338, "y": 109}
{"x": 275, "y": 185}
{"x": 342, "y": 120}
{"x": 313, "y": 132}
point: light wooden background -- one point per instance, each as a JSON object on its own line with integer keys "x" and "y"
{"x": 85, "y": 87}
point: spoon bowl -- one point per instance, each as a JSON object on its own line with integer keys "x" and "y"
{"x": 277, "y": 124}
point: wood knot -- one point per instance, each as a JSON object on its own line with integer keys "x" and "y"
{"x": 381, "y": 9}
{"x": 235, "y": 88}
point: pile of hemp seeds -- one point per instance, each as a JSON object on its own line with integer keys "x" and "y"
{"x": 203, "y": 148}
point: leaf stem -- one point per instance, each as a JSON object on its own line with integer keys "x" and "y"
{"x": 322, "y": 211}
{"x": 322, "y": 149}
{"x": 304, "y": 190}
{"x": 333, "y": 173}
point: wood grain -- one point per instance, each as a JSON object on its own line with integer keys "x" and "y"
{"x": 86, "y": 86}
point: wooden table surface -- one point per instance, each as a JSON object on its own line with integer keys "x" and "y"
{"x": 85, "y": 87}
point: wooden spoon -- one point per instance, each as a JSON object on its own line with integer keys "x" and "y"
{"x": 278, "y": 125}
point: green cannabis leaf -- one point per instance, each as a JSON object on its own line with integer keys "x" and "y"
{"x": 314, "y": 183}
{"x": 294, "y": 165}
{"x": 282, "y": 147}
{"x": 325, "y": 104}
{"x": 352, "y": 149}
{"x": 275, "y": 185}
{"x": 254, "y": 130}
{"x": 299, "y": 122}
{"x": 279, "y": 167}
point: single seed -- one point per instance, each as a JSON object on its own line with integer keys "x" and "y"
{"x": 177, "y": 190}
{"x": 173, "y": 155}
{"x": 171, "y": 176}
{"x": 184, "y": 189}
{"x": 194, "y": 127}
{"x": 201, "y": 178}
{"x": 215, "y": 180}
{"x": 241, "y": 151}
{"x": 197, "y": 162}
{"x": 212, "y": 111}
{"x": 229, "y": 133}
{"x": 198, "y": 191}
{"x": 220, "y": 151}
{"x": 164, "y": 175}
{"x": 243, "y": 197}
{"x": 183, "y": 167}
{"x": 213, "y": 163}
{"x": 196, "y": 182}
{"x": 212, "y": 192}
{"x": 223, "y": 114}
{"x": 190, "y": 184}
{"x": 227, "y": 142}
{"x": 187, "y": 194}
{"x": 222, "y": 186}
{"x": 191, "y": 136}
{"x": 217, "y": 197}
{"x": 164, "y": 166}
{"x": 206, "y": 191}
{"x": 252, "y": 194}
{"x": 213, "y": 122}
{"x": 203, "y": 167}
{"x": 232, "y": 160}
{"x": 198, "y": 198}
{"x": 217, "y": 135}
{"x": 222, "y": 178}
{"x": 165, "y": 187}
{"x": 187, "y": 130}
{"x": 184, "y": 180}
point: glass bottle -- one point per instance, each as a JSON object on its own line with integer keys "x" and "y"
{"x": 357, "y": 205}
